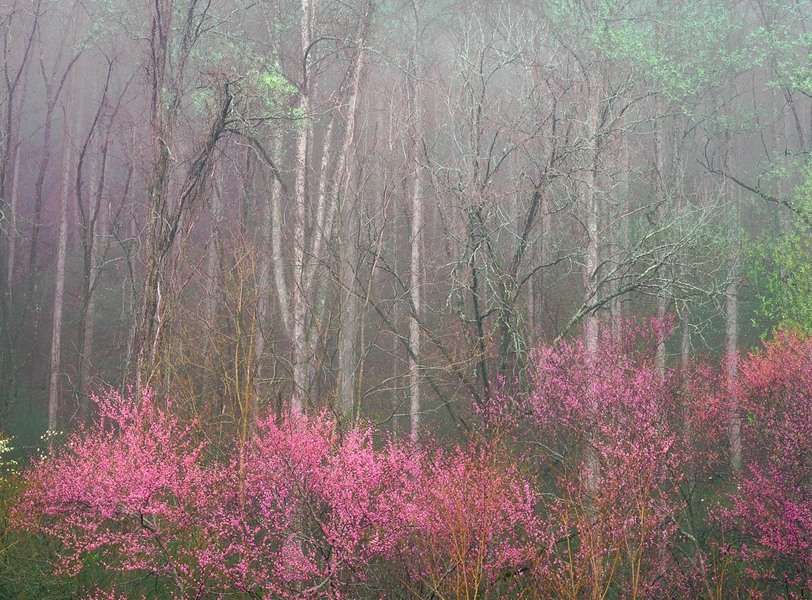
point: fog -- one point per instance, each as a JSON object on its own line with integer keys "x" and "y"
{"x": 387, "y": 213}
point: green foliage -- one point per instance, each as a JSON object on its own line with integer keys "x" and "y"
{"x": 264, "y": 88}
{"x": 272, "y": 86}
{"x": 681, "y": 50}
{"x": 679, "y": 47}
{"x": 203, "y": 100}
{"x": 783, "y": 43}
{"x": 21, "y": 573}
{"x": 781, "y": 269}
{"x": 25, "y": 561}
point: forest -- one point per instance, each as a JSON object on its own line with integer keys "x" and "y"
{"x": 417, "y": 299}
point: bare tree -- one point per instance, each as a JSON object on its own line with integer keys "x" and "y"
{"x": 166, "y": 209}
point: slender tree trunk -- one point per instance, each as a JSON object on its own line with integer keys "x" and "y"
{"x": 591, "y": 203}
{"x": 10, "y": 156}
{"x": 348, "y": 334}
{"x": 8, "y": 364}
{"x": 537, "y": 254}
{"x": 415, "y": 88}
{"x": 659, "y": 359}
{"x": 622, "y": 236}
{"x": 214, "y": 279}
{"x": 213, "y": 253}
{"x": 12, "y": 226}
{"x": 415, "y": 269}
{"x": 264, "y": 253}
{"x": 169, "y": 206}
{"x": 327, "y": 198}
{"x": 53, "y": 91}
{"x": 308, "y": 289}
{"x": 532, "y": 309}
{"x": 336, "y": 186}
{"x": 685, "y": 316}
{"x": 88, "y": 334}
{"x": 660, "y": 199}
{"x": 298, "y": 308}
{"x": 39, "y": 195}
{"x": 89, "y": 301}
{"x": 59, "y": 287}
{"x": 132, "y": 296}
{"x": 397, "y": 405}
{"x": 732, "y": 366}
{"x": 589, "y": 195}
{"x": 545, "y": 254}
{"x": 785, "y": 216}
{"x": 685, "y": 344}
{"x": 280, "y": 279}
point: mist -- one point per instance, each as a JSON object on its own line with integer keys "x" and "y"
{"x": 535, "y": 263}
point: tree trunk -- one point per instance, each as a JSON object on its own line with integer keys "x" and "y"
{"x": 660, "y": 199}
{"x": 348, "y": 334}
{"x": 264, "y": 234}
{"x": 131, "y": 299}
{"x": 53, "y": 90}
{"x": 214, "y": 279}
{"x": 298, "y": 308}
{"x": 167, "y": 212}
{"x": 532, "y": 309}
{"x": 397, "y": 404}
{"x": 213, "y": 254}
{"x": 415, "y": 88}
{"x": 36, "y": 223}
{"x": 89, "y": 300}
{"x": 732, "y": 366}
{"x": 589, "y": 195}
{"x": 415, "y": 269}
{"x": 685, "y": 344}
{"x": 12, "y": 226}
{"x": 148, "y": 332}
{"x": 275, "y": 217}
{"x": 88, "y": 334}
{"x": 59, "y": 288}
{"x": 622, "y": 236}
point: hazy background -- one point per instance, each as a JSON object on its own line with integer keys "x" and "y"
{"x": 381, "y": 207}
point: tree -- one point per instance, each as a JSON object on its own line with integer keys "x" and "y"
{"x": 165, "y": 210}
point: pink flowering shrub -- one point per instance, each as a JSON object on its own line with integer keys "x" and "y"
{"x": 126, "y": 492}
{"x": 472, "y": 524}
{"x": 706, "y": 405}
{"x": 610, "y": 430}
{"x": 607, "y": 479}
{"x": 300, "y": 511}
{"x": 307, "y": 510}
{"x": 771, "y": 511}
